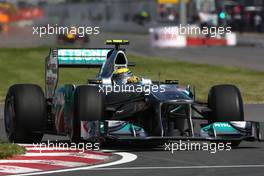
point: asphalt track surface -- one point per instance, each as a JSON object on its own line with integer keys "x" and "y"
{"x": 246, "y": 160}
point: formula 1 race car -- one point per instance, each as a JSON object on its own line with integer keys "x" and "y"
{"x": 120, "y": 106}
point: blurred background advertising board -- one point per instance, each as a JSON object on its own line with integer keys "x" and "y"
{"x": 161, "y": 37}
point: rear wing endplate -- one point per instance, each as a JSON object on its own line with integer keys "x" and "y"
{"x": 71, "y": 58}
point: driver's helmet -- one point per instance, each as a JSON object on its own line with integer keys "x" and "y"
{"x": 121, "y": 75}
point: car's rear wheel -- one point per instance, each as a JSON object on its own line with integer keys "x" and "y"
{"x": 88, "y": 106}
{"x": 25, "y": 113}
{"x": 226, "y": 104}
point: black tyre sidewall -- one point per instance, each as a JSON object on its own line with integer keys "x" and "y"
{"x": 88, "y": 106}
{"x": 29, "y": 108}
{"x": 226, "y": 103}
{"x": 89, "y": 103}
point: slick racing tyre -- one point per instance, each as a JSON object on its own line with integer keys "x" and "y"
{"x": 25, "y": 113}
{"x": 88, "y": 106}
{"x": 226, "y": 103}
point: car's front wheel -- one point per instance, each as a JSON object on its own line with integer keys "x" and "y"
{"x": 88, "y": 106}
{"x": 226, "y": 104}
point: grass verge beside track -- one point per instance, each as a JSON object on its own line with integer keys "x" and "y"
{"x": 27, "y": 66}
{"x": 8, "y": 150}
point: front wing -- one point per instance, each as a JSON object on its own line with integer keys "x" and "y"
{"x": 217, "y": 131}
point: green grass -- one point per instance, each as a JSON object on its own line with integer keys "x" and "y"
{"x": 27, "y": 66}
{"x": 8, "y": 150}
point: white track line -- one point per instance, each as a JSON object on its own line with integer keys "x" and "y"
{"x": 126, "y": 158}
{"x": 181, "y": 167}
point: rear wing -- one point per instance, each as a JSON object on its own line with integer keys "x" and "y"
{"x": 71, "y": 58}
{"x": 80, "y": 57}
{"x": 76, "y": 58}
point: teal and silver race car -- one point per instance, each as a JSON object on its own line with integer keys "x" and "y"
{"x": 119, "y": 106}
